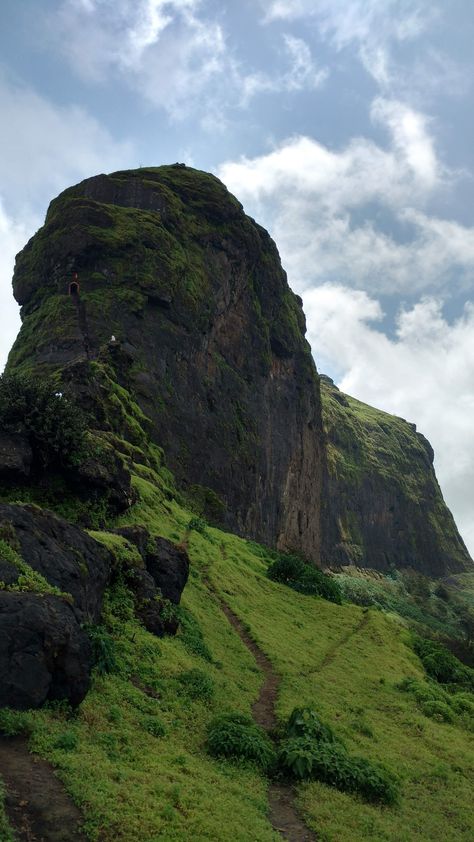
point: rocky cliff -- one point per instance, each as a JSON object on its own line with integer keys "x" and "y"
{"x": 385, "y": 506}
{"x": 157, "y": 281}
{"x": 167, "y": 310}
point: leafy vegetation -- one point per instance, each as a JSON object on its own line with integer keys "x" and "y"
{"x": 442, "y": 665}
{"x": 54, "y": 424}
{"x": 303, "y": 577}
{"x": 236, "y": 736}
{"x": 310, "y": 750}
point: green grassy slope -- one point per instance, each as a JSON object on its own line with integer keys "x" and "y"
{"x": 133, "y": 756}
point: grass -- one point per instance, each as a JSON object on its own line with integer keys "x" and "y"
{"x": 134, "y": 754}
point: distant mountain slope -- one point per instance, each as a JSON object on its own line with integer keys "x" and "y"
{"x": 385, "y": 506}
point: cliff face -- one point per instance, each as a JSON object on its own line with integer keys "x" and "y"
{"x": 208, "y": 339}
{"x": 385, "y": 507}
{"x": 167, "y": 310}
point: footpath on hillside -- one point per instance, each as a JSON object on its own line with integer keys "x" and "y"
{"x": 283, "y": 815}
{"x": 37, "y": 805}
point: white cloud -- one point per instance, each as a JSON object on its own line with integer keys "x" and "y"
{"x": 161, "y": 48}
{"x": 13, "y": 236}
{"x": 424, "y": 374}
{"x": 303, "y": 73}
{"x": 44, "y": 148}
{"x": 375, "y": 29}
{"x": 359, "y": 214}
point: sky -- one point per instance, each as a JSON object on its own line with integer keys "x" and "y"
{"x": 345, "y": 127}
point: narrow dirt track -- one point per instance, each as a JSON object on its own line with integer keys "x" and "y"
{"x": 37, "y": 805}
{"x": 284, "y": 816}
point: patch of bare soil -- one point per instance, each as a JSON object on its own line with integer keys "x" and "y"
{"x": 37, "y": 805}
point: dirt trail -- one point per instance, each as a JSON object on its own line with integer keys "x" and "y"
{"x": 281, "y": 797}
{"x": 37, "y": 805}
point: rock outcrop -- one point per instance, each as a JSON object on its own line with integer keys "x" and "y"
{"x": 385, "y": 507}
{"x": 166, "y": 309}
{"x": 181, "y": 298}
{"x": 66, "y": 556}
{"x": 45, "y": 652}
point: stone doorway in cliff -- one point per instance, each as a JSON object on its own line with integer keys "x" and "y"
{"x": 74, "y": 288}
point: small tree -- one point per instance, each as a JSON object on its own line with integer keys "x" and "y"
{"x": 52, "y": 421}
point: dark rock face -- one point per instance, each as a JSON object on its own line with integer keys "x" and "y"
{"x": 184, "y": 331}
{"x": 165, "y": 576}
{"x": 208, "y": 338}
{"x": 169, "y": 568}
{"x": 64, "y": 554}
{"x": 148, "y": 607}
{"x": 385, "y": 508}
{"x": 113, "y": 478}
{"x": 16, "y": 456}
{"x": 44, "y": 654}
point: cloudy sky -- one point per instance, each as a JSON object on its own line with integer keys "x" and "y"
{"x": 343, "y": 126}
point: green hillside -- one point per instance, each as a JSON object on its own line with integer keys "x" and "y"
{"x": 133, "y": 756}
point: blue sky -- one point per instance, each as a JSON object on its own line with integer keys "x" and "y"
{"x": 344, "y": 126}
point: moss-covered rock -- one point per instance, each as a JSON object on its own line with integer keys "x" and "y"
{"x": 385, "y": 507}
{"x": 180, "y": 327}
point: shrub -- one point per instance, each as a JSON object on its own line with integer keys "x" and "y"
{"x": 310, "y": 750}
{"x": 305, "y": 758}
{"x": 303, "y": 577}
{"x": 13, "y": 722}
{"x": 442, "y": 665}
{"x": 154, "y": 726}
{"x": 55, "y": 425}
{"x": 236, "y": 736}
{"x": 437, "y": 710}
{"x": 305, "y": 722}
{"x": 198, "y": 524}
{"x": 196, "y": 684}
{"x": 67, "y": 741}
{"x": 103, "y": 649}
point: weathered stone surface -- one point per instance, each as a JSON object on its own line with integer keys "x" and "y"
{"x": 148, "y": 606}
{"x": 166, "y": 574}
{"x": 44, "y": 654}
{"x": 385, "y": 509}
{"x": 64, "y": 554}
{"x": 16, "y": 456}
{"x": 169, "y": 567}
{"x": 208, "y": 338}
{"x": 112, "y": 477}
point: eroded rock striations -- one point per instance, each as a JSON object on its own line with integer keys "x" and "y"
{"x": 182, "y": 299}
{"x": 385, "y": 507}
{"x": 167, "y": 309}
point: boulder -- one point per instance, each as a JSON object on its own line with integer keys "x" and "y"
{"x": 169, "y": 567}
{"x": 16, "y": 456}
{"x": 64, "y": 554}
{"x": 44, "y": 653}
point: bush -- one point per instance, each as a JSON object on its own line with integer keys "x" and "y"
{"x": 310, "y": 750}
{"x": 54, "y": 424}
{"x": 305, "y": 722}
{"x": 196, "y": 684}
{"x": 103, "y": 649}
{"x": 442, "y": 665}
{"x": 154, "y": 726}
{"x": 303, "y": 577}
{"x": 236, "y": 736}
{"x": 67, "y": 741}
{"x": 198, "y": 524}
{"x": 13, "y": 722}
{"x": 437, "y": 710}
